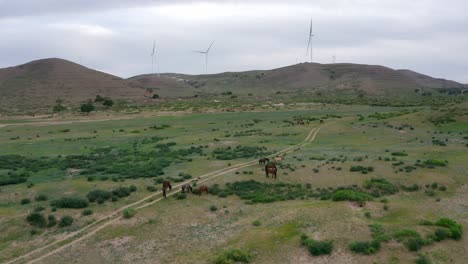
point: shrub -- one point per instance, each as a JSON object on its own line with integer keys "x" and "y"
{"x": 129, "y": 213}
{"x": 351, "y": 195}
{"x": 378, "y": 233}
{"x": 41, "y": 197}
{"x": 367, "y": 215}
{"x": 36, "y": 219}
{"x": 256, "y": 223}
{"x": 234, "y": 255}
{"x": 441, "y": 234}
{"x": 381, "y": 186}
{"x": 317, "y": 248}
{"x": 455, "y": 229}
{"x": 405, "y": 233}
{"x": 87, "y": 212}
{"x": 365, "y": 247}
{"x": 213, "y": 208}
{"x": 98, "y": 195}
{"x": 423, "y": 259}
{"x": 25, "y": 201}
{"x": 70, "y": 202}
{"x": 151, "y": 188}
{"x": 52, "y": 221}
{"x": 414, "y": 243}
{"x": 66, "y": 221}
{"x": 180, "y": 196}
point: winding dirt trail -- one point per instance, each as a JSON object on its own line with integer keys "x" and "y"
{"x": 103, "y": 222}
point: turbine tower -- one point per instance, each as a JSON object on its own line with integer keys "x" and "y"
{"x": 206, "y": 56}
{"x": 310, "y": 43}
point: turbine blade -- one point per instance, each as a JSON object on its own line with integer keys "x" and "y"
{"x": 310, "y": 32}
{"x": 308, "y": 45}
{"x": 199, "y": 51}
{"x": 154, "y": 46}
{"x": 210, "y": 47}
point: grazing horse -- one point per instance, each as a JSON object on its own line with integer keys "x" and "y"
{"x": 321, "y": 121}
{"x": 263, "y": 161}
{"x": 166, "y": 185}
{"x": 271, "y": 169}
{"x": 203, "y": 189}
{"x": 187, "y": 187}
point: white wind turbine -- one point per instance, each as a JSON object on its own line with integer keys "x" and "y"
{"x": 206, "y": 56}
{"x": 152, "y": 57}
{"x": 310, "y": 42}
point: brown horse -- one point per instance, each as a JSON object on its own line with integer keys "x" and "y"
{"x": 321, "y": 121}
{"x": 263, "y": 161}
{"x": 203, "y": 189}
{"x": 271, "y": 169}
{"x": 166, "y": 185}
{"x": 187, "y": 187}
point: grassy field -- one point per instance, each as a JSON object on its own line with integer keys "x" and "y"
{"x": 420, "y": 152}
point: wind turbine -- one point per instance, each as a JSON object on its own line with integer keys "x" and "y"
{"x": 206, "y": 56}
{"x": 310, "y": 42}
{"x": 152, "y": 57}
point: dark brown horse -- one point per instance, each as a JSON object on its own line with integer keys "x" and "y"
{"x": 166, "y": 185}
{"x": 263, "y": 161}
{"x": 203, "y": 189}
{"x": 271, "y": 169}
{"x": 321, "y": 121}
{"x": 187, "y": 187}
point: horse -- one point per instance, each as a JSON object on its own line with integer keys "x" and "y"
{"x": 166, "y": 185}
{"x": 187, "y": 187}
{"x": 203, "y": 189}
{"x": 271, "y": 169}
{"x": 321, "y": 121}
{"x": 263, "y": 161}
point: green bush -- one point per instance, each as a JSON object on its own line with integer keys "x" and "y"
{"x": 129, "y": 213}
{"x": 66, "y": 220}
{"x": 423, "y": 259}
{"x": 414, "y": 243}
{"x": 151, "y": 188}
{"x": 351, "y": 195}
{"x": 380, "y": 187}
{"x": 52, "y": 221}
{"x": 213, "y": 208}
{"x": 317, "y": 248}
{"x": 441, "y": 234}
{"x": 98, "y": 195}
{"x": 455, "y": 229}
{"x": 87, "y": 212}
{"x": 234, "y": 255}
{"x": 256, "y": 223}
{"x": 70, "y": 202}
{"x": 36, "y": 219}
{"x": 25, "y": 201}
{"x": 365, "y": 247}
{"x": 41, "y": 197}
{"x": 180, "y": 196}
{"x": 406, "y": 233}
{"x": 378, "y": 233}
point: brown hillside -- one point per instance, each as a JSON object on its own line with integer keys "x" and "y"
{"x": 329, "y": 78}
{"x": 40, "y": 83}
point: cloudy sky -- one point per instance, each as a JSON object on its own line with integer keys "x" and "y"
{"x": 116, "y": 36}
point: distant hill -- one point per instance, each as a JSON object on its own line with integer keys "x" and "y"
{"x": 307, "y": 77}
{"x": 40, "y": 83}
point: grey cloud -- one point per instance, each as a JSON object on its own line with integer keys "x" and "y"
{"x": 116, "y": 36}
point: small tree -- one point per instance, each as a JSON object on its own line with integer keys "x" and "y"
{"x": 86, "y": 108}
{"x": 99, "y": 99}
{"x": 108, "y": 102}
{"x": 156, "y": 96}
{"x": 59, "y": 108}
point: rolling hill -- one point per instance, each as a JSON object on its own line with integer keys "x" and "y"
{"x": 40, "y": 83}
{"x": 307, "y": 77}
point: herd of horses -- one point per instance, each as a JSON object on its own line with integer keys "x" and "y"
{"x": 270, "y": 169}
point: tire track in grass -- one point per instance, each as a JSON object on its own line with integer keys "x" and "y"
{"x": 103, "y": 222}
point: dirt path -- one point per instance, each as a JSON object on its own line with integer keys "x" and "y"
{"x": 103, "y": 222}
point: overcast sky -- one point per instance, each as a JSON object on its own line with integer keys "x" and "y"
{"x": 116, "y": 36}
